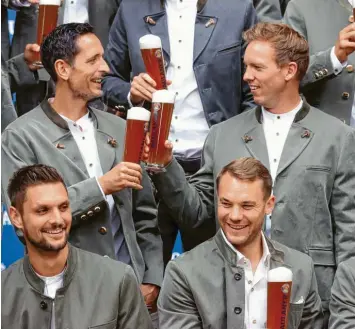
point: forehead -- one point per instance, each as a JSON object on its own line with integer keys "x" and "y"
{"x": 235, "y": 189}
{"x": 259, "y": 51}
{"x": 50, "y": 194}
{"x": 89, "y": 45}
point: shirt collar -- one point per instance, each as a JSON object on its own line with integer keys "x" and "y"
{"x": 286, "y": 116}
{"x": 265, "y": 258}
{"x": 83, "y": 123}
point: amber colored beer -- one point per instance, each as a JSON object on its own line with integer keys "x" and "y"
{"x": 278, "y": 297}
{"x": 153, "y": 59}
{"x": 136, "y": 130}
{"x": 47, "y": 20}
{"x": 160, "y": 121}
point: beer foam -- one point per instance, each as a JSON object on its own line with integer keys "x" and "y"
{"x": 138, "y": 113}
{"x": 49, "y": 2}
{"x": 280, "y": 274}
{"x": 163, "y": 96}
{"x": 149, "y": 41}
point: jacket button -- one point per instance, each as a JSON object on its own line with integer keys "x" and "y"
{"x": 83, "y": 217}
{"x": 43, "y": 305}
{"x": 325, "y": 71}
{"x": 237, "y": 276}
{"x": 316, "y": 75}
{"x": 97, "y": 209}
{"x": 237, "y": 310}
{"x": 103, "y": 230}
{"x": 345, "y": 95}
{"x": 350, "y": 68}
{"x": 90, "y": 213}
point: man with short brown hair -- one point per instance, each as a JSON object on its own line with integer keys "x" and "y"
{"x": 223, "y": 282}
{"x": 310, "y": 155}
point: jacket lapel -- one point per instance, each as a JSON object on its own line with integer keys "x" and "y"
{"x": 106, "y": 147}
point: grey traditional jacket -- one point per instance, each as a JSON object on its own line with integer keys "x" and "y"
{"x": 342, "y": 303}
{"x": 204, "y": 288}
{"x": 320, "y": 22}
{"x": 270, "y": 10}
{"x": 42, "y": 136}
{"x": 97, "y": 293}
{"x": 314, "y": 185}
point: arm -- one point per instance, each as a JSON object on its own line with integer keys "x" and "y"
{"x": 342, "y": 202}
{"x": 116, "y": 84}
{"x": 247, "y": 102}
{"x": 17, "y": 153}
{"x": 176, "y": 305}
{"x": 132, "y": 312}
{"x": 268, "y": 10}
{"x": 342, "y": 303}
{"x": 190, "y": 204}
{"x": 148, "y": 236}
{"x": 312, "y": 315}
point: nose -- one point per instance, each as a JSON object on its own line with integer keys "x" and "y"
{"x": 57, "y": 217}
{"x": 235, "y": 214}
{"x": 104, "y": 67}
{"x": 248, "y": 76}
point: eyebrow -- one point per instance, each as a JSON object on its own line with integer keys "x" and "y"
{"x": 92, "y": 58}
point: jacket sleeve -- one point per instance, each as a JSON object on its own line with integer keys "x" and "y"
{"x": 148, "y": 235}
{"x": 20, "y": 75}
{"x": 268, "y": 10}
{"x": 189, "y": 203}
{"x": 116, "y": 85}
{"x": 312, "y": 315}
{"x": 342, "y": 202}
{"x": 342, "y": 303}
{"x": 16, "y": 153}
{"x": 320, "y": 64}
{"x": 132, "y": 312}
{"x": 176, "y": 305}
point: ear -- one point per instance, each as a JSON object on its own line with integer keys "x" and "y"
{"x": 291, "y": 70}
{"x": 63, "y": 69}
{"x": 16, "y": 218}
{"x": 270, "y": 205}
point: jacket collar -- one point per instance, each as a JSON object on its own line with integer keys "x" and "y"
{"x": 277, "y": 256}
{"x": 301, "y": 114}
{"x": 200, "y": 4}
{"x": 38, "y": 284}
{"x": 58, "y": 120}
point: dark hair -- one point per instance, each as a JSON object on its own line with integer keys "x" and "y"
{"x": 248, "y": 169}
{"x": 61, "y": 44}
{"x": 289, "y": 45}
{"x": 29, "y": 176}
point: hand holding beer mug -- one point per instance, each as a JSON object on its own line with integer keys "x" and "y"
{"x": 160, "y": 121}
{"x": 279, "y": 288}
{"x": 136, "y": 129}
{"x": 47, "y": 22}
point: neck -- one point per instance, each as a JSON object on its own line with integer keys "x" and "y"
{"x": 287, "y": 102}
{"x": 253, "y": 251}
{"x": 65, "y": 103}
{"x": 48, "y": 263}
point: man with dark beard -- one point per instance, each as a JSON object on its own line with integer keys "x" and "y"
{"x": 55, "y": 282}
{"x": 113, "y": 207}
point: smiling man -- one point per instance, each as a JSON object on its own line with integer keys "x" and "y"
{"x": 223, "y": 282}
{"x": 310, "y": 155}
{"x": 54, "y": 284}
{"x": 113, "y": 207}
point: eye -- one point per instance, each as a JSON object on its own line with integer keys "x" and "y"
{"x": 247, "y": 206}
{"x": 41, "y": 211}
{"x": 225, "y": 204}
{"x": 64, "y": 207}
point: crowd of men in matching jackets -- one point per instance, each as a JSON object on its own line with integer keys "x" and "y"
{"x": 259, "y": 173}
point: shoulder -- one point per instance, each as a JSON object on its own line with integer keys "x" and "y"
{"x": 12, "y": 272}
{"x": 348, "y": 267}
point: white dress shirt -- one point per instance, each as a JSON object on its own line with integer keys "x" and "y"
{"x": 276, "y": 128}
{"x": 51, "y": 285}
{"x": 255, "y": 286}
{"x": 76, "y": 11}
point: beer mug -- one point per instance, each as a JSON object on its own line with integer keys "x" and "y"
{"x": 153, "y": 59}
{"x": 47, "y": 21}
{"x": 278, "y": 297}
{"x": 160, "y": 120}
{"x": 136, "y": 130}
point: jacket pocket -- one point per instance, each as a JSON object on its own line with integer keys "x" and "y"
{"x": 318, "y": 168}
{"x": 295, "y": 315}
{"x": 109, "y": 325}
{"x": 229, "y": 49}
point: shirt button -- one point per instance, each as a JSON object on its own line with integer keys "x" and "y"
{"x": 180, "y": 16}
{"x": 250, "y": 282}
{"x": 176, "y": 140}
{"x": 43, "y": 305}
{"x": 176, "y": 117}
{"x": 278, "y": 117}
{"x": 237, "y": 310}
{"x": 90, "y": 165}
{"x": 83, "y": 137}
{"x": 237, "y": 276}
{"x": 275, "y": 160}
{"x": 179, "y": 67}
{"x": 252, "y": 289}
{"x": 254, "y": 321}
{"x": 74, "y": 124}
{"x": 277, "y": 134}
{"x": 177, "y": 93}
{"x": 180, "y": 41}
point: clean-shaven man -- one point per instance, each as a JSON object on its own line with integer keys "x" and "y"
{"x": 223, "y": 282}
{"x": 310, "y": 155}
{"x": 113, "y": 207}
{"x": 57, "y": 285}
